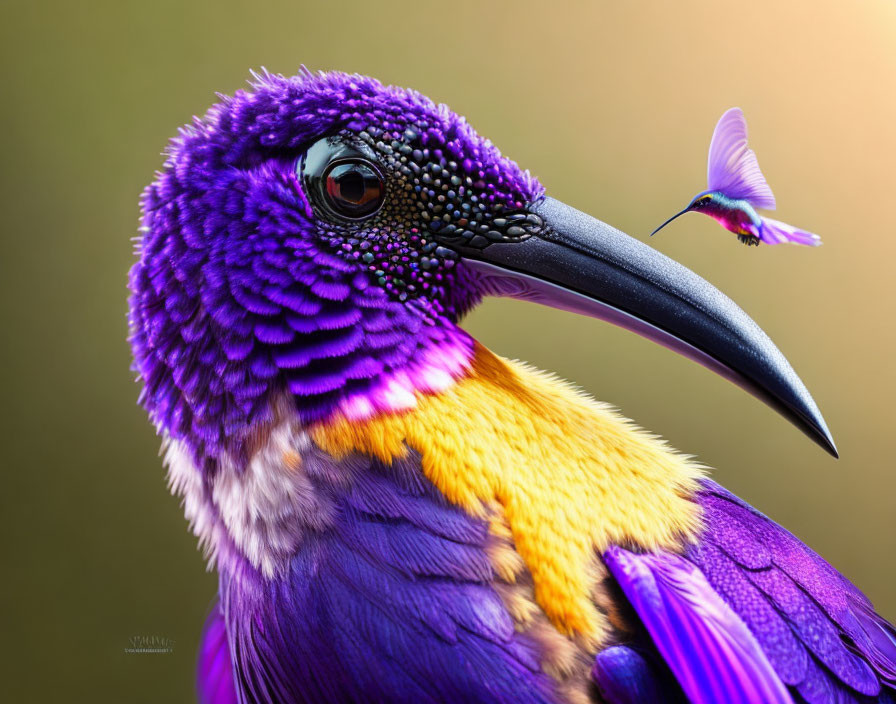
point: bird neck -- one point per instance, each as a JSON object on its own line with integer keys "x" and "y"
{"x": 335, "y": 343}
{"x": 724, "y": 206}
{"x": 562, "y": 475}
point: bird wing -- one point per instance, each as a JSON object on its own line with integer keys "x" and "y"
{"x": 214, "y": 669}
{"x": 748, "y": 584}
{"x": 732, "y": 168}
{"x": 710, "y": 651}
{"x": 777, "y": 232}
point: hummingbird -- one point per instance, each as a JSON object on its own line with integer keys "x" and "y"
{"x": 736, "y": 188}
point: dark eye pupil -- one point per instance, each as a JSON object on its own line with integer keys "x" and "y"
{"x": 354, "y": 189}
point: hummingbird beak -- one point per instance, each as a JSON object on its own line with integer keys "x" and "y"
{"x": 671, "y": 219}
{"x": 574, "y": 262}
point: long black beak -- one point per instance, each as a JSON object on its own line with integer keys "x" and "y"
{"x": 677, "y": 215}
{"x": 575, "y": 262}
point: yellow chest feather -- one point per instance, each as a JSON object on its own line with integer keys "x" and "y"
{"x": 570, "y": 475}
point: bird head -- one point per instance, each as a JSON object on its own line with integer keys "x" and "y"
{"x": 701, "y": 202}
{"x": 317, "y": 238}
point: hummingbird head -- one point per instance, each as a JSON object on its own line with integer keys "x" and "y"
{"x": 701, "y": 202}
{"x": 311, "y": 244}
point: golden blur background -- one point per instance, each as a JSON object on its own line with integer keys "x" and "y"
{"x": 611, "y": 104}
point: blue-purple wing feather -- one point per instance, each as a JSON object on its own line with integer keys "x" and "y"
{"x": 820, "y": 633}
{"x": 710, "y": 651}
{"x": 749, "y": 586}
{"x": 732, "y": 167}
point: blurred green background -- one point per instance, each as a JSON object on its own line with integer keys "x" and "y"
{"x": 611, "y": 104}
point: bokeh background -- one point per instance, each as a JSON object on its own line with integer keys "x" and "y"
{"x": 611, "y": 104}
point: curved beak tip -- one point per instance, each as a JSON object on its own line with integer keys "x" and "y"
{"x": 826, "y": 440}
{"x": 805, "y": 415}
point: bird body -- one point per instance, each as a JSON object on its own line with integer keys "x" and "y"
{"x": 526, "y": 443}
{"x": 735, "y": 215}
{"x": 737, "y": 187}
{"x": 397, "y": 514}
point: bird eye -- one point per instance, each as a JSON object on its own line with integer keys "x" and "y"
{"x": 354, "y": 189}
{"x": 341, "y": 178}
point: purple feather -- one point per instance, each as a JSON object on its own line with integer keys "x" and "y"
{"x": 625, "y": 675}
{"x": 214, "y": 671}
{"x": 820, "y": 633}
{"x": 238, "y": 277}
{"x": 776, "y": 232}
{"x": 732, "y": 168}
{"x": 711, "y": 652}
{"x": 389, "y": 599}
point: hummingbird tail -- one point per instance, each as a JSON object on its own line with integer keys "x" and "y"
{"x": 776, "y": 232}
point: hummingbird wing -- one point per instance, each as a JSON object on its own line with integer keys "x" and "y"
{"x": 777, "y": 232}
{"x": 732, "y": 167}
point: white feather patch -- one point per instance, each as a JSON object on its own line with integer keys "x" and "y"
{"x": 262, "y": 509}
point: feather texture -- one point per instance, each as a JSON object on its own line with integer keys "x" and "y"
{"x": 626, "y": 675}
{"x": 732, "y": 167}
{"x": 706, "y": 645}
{"x": 214, "y": 669}
{"x": 491, "y": 436}
{"x": 750, "y": 613}
{"x": 392, "y": 601}
{"x": 820, "y": 633}
{"x": 777, "y": 232}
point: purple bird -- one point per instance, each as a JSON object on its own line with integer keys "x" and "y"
{"x": 397, "y": 514}
{"x": 736, "y": 188}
